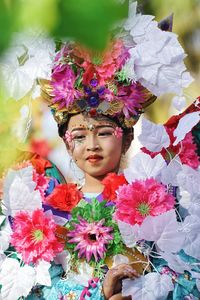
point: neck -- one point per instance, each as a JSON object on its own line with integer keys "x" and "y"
{"x": 93, "y": 184}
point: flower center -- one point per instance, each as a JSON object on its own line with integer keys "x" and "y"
{"x": 144, "y": 209}
{"x": 37, "y": 235}
{"x": 92, "y": 236}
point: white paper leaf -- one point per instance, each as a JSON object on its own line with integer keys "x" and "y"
{"x": 185, "y": 125}
{"x": 42, "y": 273}
{"x": 170, "y": 172}
{"x": 85, "y": 273}
{"x": 130, "y": 234}
{"x": 189, "y": 180}
{"x": 63, "y": 258}
{"x": 164, "y": 231}
{"x": 20, "y": 198}
{"x": 152, "y": 286}
{"x": 153, "y": 137}
{"x": 119, "y": 259}
{"x": 16, "y": 281}
{"x": 191, "y": 228}
{"x": 5, "y": 236}
{"x": 198, "y": 284}
{"x": 175, "y": 262}
{"x": 179, "y": 102}
{"x": 142, "y": 166}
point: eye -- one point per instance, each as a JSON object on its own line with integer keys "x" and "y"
{"x": 105, "y": 133}
{"x": 78, "y": 137}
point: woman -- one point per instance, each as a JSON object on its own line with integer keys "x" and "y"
{"x": 96, "y": 99}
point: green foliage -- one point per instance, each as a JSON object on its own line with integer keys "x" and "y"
{"x": 89, "y": 21}
{"x": 86, "y": 21}
{"x": 94, "y": 212}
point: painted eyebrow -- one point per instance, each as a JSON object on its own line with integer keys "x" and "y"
{"x": 95, "y": 127}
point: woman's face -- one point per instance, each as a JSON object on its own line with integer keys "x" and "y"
{"x": 95, "y": 145}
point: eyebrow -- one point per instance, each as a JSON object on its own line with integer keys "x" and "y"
{"x": 95, "y": 127}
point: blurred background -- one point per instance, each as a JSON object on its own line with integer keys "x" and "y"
{"x": 27, "y": 124}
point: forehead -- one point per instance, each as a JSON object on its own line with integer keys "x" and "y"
{"x": 80, "y": 119}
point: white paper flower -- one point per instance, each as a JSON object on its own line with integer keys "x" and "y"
{"x": 152, "y": 286}
{"x": 157, "y": 55}
{"x": 29, "y": 57}
{"x": 154, "y": 137}
{"x": 119, "y": 259}
{"x": 20, "y": 193}
{"x": 142, "y": 166}
{"x": 185, "y": 125}
{"x": 16, "y": 281}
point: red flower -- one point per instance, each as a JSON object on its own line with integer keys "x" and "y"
{"x": 64, "y": 197}
{"x": 40, "y": 164}
{"x": 40, "y": 147}
{"x": 112, "y": 182}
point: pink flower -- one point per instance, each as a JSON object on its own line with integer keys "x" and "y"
{"x": 41, "y": 181}
{"x": 63, "y": 82}
{"x": 90, "y": 238}
{"x": 118, "y": 132}
{"x": 142, "y": 198}
{"x": 68, "y": 136}
{"x": 132, "y": 96}
{"x": 34, "y": 236}
{"x": 102, "y": 65}
{"x": 188, "y": 153}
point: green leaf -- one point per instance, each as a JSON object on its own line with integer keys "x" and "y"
{"x": 89, "y": 21}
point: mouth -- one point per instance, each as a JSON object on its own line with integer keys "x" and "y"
{"x": 94, "y": 158}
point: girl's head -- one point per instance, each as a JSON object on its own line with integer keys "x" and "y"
{"x": 95, "y": 144}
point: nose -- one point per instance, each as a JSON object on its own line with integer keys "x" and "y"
{"x": 92, "y": 143}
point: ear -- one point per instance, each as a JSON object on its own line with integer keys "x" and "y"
{"x": 127, "y": 139}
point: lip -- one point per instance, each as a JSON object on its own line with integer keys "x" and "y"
{"x": 94, "y": 158}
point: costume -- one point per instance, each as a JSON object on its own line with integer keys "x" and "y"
{"x": 58, "y": 243}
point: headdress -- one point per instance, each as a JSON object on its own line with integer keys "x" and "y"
{"x": 139, "y": 64}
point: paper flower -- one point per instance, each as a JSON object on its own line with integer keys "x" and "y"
{"x": 29, "y": 57}
{"x": 157, "y": 55}
{"x": 64, "y": 197}
{"x": 118, "y": 132}
{"x": 91, "y": 238}
{"x": 34, "y": 236}
{"x": 102, "y": 66}
{"x": 63, "y": 81}
{"x": 19, "y": 192}
{"x": 111, "y": 184}
{"x": 68, "y": 136}
{"x": 142, "y": 198}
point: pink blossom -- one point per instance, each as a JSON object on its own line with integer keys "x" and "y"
{"x": 68, "y": 136}
{"x": 118, "y": 132}
{"x": 41, "y": 181}
{"x": 132, "y": 96}
{"x": 142, "y": 198}
{"x": 91, "y": 238}
{"x": 102, "y": 65}
{"x": 34, "y": 236}
{"x": 63, "y": 82}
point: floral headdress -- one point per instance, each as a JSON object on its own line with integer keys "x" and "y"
{"x": 139, "y": 64}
